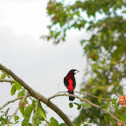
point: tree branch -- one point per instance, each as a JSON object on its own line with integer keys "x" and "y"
{"x": 83, "y": 99}
{"x": 11, "y": 102}
{"x": 107, "y": 99}
{"x": 38, "y": 96}
{"x": 5, "y": 80}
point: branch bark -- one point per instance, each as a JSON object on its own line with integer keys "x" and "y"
{"x": 107, "y": 99}
{"x": 38, "y": 96}
{"x": 5, "y": 80}
{"x": 10, "y": 102}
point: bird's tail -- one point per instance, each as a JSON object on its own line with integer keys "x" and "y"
{"x": 71, "y": 98}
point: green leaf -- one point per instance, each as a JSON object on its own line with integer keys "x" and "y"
{"x": 28, "y": 111}
{"x": 21, "y": 93}
{"x": 54, "y": 122}
{"x": 3, "y": 75}
{"x": 13, "y": 89}
{"x": 48, "y": 123}
{"x": 76, "y": 103}
{"x": 22, "y": 110}
{"x": 36, "y": 120}
{"x": 107, "y": 105}
{"x": 25, "y": 122}
{"x": 29, "y": 124}
{"x": 79, "y": 107}
{"x": 9, "y": 123}
{"x": 114, "y": 100}
{"x": 7, "y": 111}
{"x": 71, "y": 105}
{"x": 16, "y": 118}
{"x": 86, "y": 125}
{"x": 18, "y": 86}
{"x": 86, "y": 105}
{"x": 62, "y": 124}
{"x": 40, "y": 111}
{"x": 57, "y": 34}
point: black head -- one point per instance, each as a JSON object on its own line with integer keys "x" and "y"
{"x": 73, "y": 71}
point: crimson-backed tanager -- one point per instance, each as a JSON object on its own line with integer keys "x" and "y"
{"x": 70, "y": 82}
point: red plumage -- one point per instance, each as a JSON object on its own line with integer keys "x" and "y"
{"x": 70, "y": 82}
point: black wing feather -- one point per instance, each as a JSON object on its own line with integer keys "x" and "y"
{"x": 66, "y": 83}
{"x": 74, "y": 83}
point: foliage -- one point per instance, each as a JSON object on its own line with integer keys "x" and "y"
{"x": 105, "y": 20}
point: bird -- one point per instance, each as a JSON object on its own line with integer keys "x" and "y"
{"x": 70, "y": 82}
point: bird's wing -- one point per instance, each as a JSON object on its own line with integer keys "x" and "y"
{"x": 74, "y": 83}
{"x": 66, "y": 83}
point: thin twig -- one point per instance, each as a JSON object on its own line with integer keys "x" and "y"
{"x": 118, "y": 120}
{"x": 15, "y": 111}
{"x": 5, "y": 80}
{"x": 11, "y": 102}
{"x": 86, "y": 94}
{"x": 83, "y": 99}
{"x": 107, "y": 99}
